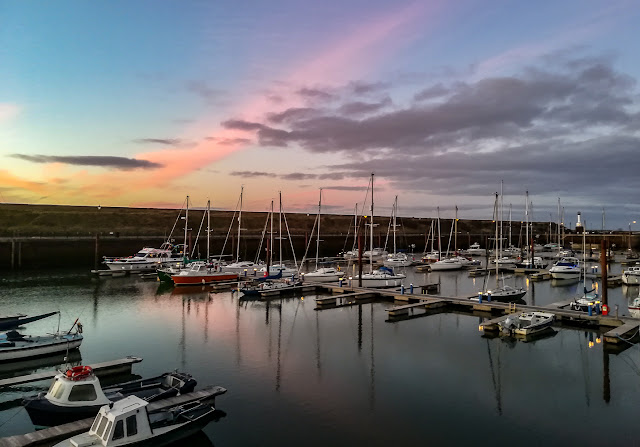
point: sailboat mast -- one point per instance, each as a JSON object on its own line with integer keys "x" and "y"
{"x": 558, "y": 229}
{"x": 239, "y": 226}
{"x": 455, "y": 237}
{"x": 501, "y": 212}
{"x": 371, "y": 233}
{"x": 439, "y": 241}
{"x": 395, "y": 212}
{"x": 208, "y": 227}
{"x": 186, "y": 225}
{"x": 496, "y": 212}
{"x": 280, "y": 227}
{"x": 510, "y": 225}
{"x": 318, "y": 240}
{"x": 270, "y": 254}
{"x": 526, "y": 215}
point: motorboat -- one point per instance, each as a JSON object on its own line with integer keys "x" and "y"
{"x": 475, "y": 250}
{"x": 526, "y": 323}
{"x": 536, "y": 263}
{"x": 15, "y": 346}
{"x": 278, "y": 268}
{"x": 17, "y": 320}
{"x": 257, "y": 288}
{"x": 446, "y": 264}
{"x": 505, "y": 261}
{"x": 202, "y": 273}
{"x": 243, "y": 268}
{"x": 76, "y": 394}
{"x": 397, "y": 260}
{"x": 382, "y": 277}
{"x": 128, "y": 422}
{"x": 566, "y": 268}
{"x": 504, "y": 293}
{"x": 148, "y": 259}
{"x": 375, "y": 254}
{"x": 323, "y": 274}
{"x": 431, "y": 256}
{"x": 631, "y": 276}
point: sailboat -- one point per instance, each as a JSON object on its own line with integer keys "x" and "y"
{"x": 502, "y": 292}
{"x": 384, "y": 276}
{"x": 447, "y": 263}
{"x": 200, "y": 272}
{"x": 589, "y": 298}
{"x": 241, "y": 267}
{"x": 396, "y": 259}
{"x": 274, "y": 269}
{"x": 433, "y": 255}
{"x": 322, "y": 274}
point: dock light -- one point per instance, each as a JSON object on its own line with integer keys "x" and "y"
{"x": 301, "y": 298}
{"x": 481, "y": 328}
{"x": 591, "y": 344}
{"x": 350, "y": 278}
{"x": 598, "y": 340}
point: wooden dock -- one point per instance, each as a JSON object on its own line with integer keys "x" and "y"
{"x": 51, "y": 435}
{"x": 431, "y": 303}
{"x": 103, "y": 369}
{"x": 623, "y": 334}
{"x": 343, "y": 299}
{"x": 540, "y": 276}
{"x": 297, "y": 289}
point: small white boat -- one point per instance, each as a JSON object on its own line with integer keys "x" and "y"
{"x": 432, "y": 256}
{"x": 323, "y": 274}
{"x": 566, "y": 268}
{"x": 127, "y": 422}
{"x": 446, "y": 264}
{"x": 526, "y": 323}
{"x": 148, "y": 259}
{"x": 536, "y": 263}
{"x": 277, "y": 268}
{"x": 382, "y": 277}
{"x": 15, "y": 346}
{"x": 475, "y": 250}
{"x": 243, "y": 268}
{"x": 77, "y": 394}
{"x": 504, "y": 293}
{"x": 377, "y": 254}
{"x": 631, "y": 276}
{"x": 259, "y": 287}
{"x": 397, "y": 260}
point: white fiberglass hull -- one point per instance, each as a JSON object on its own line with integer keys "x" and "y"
{"x": 564, "y": 273}
{"x": 441, "y": 265}
{"x": 379, "y": 281}
{"x": 630, "y": 278}
{"x": 39, "y": 346}
{"x": 322, "y": 277}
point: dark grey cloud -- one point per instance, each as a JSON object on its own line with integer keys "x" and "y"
{"x": 316, "y": 94}
{"x": 90, "y": 160}
{"x": 229, "y": 141}
{"x": 566, "y": 126}
{"x": 360, "y": 88}
{"x": 298, "y": 176}
{"x": 165, "y": 141}
{"x": 242, "y": 125}
{"x": 344, "y": 188}
{"x": 363, "y": 108}
{"x": 252, "y": 174}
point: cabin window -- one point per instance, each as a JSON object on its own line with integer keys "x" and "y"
{"x": 95, "y": 422}
{"x": 57, "y": 389}
{"x": 103, "y": 424}
{"x": 107, "y": 430}
{"x": 82, "y": 393}
{"x": 118, "y": 432}
{"x": 132, "y": 425}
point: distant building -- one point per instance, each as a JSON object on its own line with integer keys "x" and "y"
{"x": 579, "y": 227}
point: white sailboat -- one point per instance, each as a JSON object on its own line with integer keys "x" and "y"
{"x": 589, "y": 298}
{"x": 280, "y": 268}
{"x": 447, "y": 263}
{"x": 321, "y": 274}
{"x": 241, "y": 267}
{"x": 384, "y": 276}
{"x": 396, "y": 259}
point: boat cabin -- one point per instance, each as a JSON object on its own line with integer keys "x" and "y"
{"x": 124, "y": 422}
{"x": 83, "y": 390}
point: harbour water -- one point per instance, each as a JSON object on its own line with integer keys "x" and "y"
{"x": 345, "y": 376}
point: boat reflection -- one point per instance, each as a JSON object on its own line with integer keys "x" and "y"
{"x": 564, "y": 282}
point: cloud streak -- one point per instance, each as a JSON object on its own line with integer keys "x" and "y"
{"x": 90, "y": 160}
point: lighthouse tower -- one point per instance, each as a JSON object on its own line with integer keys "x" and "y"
{"x": 579, "y": 227}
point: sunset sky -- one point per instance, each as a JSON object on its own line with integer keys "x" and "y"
{"x": 140, "y": 103}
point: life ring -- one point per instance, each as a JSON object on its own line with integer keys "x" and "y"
{"x": 79, "y": 372}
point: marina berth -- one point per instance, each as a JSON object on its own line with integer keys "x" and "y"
{"x": 526, "y": 323}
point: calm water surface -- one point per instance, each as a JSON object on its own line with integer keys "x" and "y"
{"x": 345, "y": 376}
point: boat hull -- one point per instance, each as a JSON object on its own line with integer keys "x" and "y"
{"x": 394, "y": 281}
{"x": 196, "y": 280}
{"x": 630, "y": 279}
{"x": 565, "y": 274}
{"x": 34, "y": 349}
{"x": 309, "y": 277}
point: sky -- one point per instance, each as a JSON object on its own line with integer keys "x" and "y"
{"x": 139, "y": 104}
